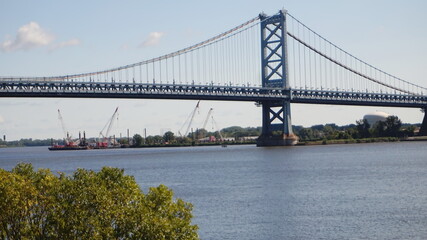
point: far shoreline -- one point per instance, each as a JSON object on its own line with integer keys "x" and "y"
{"x": 302, "y": 143}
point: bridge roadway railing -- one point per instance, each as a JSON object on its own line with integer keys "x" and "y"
{"x": 70, "y": 89}
{"x": 138, "y": 90}
{"x": 336, "y": 97}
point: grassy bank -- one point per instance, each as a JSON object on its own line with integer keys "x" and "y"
{"x": 195, "y": 144}
{"x": 349, "y": 141}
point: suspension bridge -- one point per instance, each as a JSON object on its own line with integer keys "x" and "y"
{"x": 271, "y": 60}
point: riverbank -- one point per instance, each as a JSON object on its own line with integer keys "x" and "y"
{"x": 301, "y": 143}
{"x": 363, "y": 140}
{"x": 420, "y": 138}
{"x": 195, "y": 144}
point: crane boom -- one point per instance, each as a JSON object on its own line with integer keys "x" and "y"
{"x": 64, "y": 129}
{"x": 192, "y": 118}
{"x": 219, "y": 130}
{"x": 207, "y": 118}
{"x": 107, "y": 133}
{"x": 106, "y": 140}
{"x": 189, "y": 120}
{"x": 109, "y": 124}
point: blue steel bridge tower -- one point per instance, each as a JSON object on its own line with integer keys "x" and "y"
{"x": 276, "y": 115}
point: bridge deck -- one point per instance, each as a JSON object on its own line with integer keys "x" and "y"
{"x": 69, "y": 89}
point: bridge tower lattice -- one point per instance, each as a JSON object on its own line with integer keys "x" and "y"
{"x": 276, "y": 115}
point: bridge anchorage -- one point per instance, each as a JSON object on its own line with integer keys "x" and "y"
{"x": 276, "y": 115}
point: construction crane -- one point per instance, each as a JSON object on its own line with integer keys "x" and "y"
{"x": 207, "y": 118}
{"x": 61, "y": 120}
{"x": 219, "y": 130}
{"x": 200, "y": 132}
{"x": 67, "y": 137}
{"x": 105, "y": 137}
{"x": 189, "y": 120}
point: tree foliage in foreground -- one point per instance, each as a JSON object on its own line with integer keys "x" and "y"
{"x": 88, "y": 205}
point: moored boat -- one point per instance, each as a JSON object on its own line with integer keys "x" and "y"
{"x": 67, "y": 147}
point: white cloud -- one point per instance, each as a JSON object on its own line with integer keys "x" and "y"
{"x": 152, "y": 39}
{"x": 31, "y": 36}
{"x": 1, "y": 119}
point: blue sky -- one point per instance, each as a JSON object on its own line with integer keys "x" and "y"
{"x": 79, "y": 36}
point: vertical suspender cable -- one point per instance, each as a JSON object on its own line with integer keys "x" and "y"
{"x": 167, "y": 60}
{"x": 309, "y": 60}
{"x": 160, "y": 71}
{"x": 179, "y": 68}
{"x": 173, "y": 69}
{"x": 186, "y": 67}
{"x": 154, "y": 72}
{"x": 299, "y": 61}
{"x": 293, "y": 54}
{"x": 146, "y": 69}
{"x": 140, "y": 73}
{"x": 305, "y": 63}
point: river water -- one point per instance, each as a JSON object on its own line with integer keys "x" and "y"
{"x": 351, "y": 191}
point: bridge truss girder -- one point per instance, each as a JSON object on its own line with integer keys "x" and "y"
{"x": 25, "y": 89}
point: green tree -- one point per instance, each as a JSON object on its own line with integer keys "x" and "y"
{"x": 343, "y": 135}
{"x": 137, "y": 140}
{"x": 306, "y": 134}
{"x": 363, "y": 127}
{"x": 379, "y": 129}
{"x": 150, "y": 140}
{"x": 124, "y": 141}
{"x": 153, "y": 140}
{"x": 409, "y": 131}
{"x": 330, "y": 132}
{"x": 388, "y": 128}
{"x": 183, "y": 140}
{"x": 168, "y": 137}
{"x": 201, "y": 133}
{"x": 392, "y": 126}
{"x": 88, "y": 205}
{"x": 158, "y": 139}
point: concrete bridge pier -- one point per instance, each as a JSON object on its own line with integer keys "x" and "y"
{"x": 276, "y": 125}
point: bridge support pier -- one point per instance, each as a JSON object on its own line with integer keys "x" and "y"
{"x": 276, "y": 125}
{"x": 423, "y": 129}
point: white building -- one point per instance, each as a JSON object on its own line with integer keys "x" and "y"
{"x": 375, "y": 117}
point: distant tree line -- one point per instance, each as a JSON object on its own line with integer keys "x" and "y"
{"x": 238, "y": 132}
{"x": 391, "y": 127}
{"x": 234, "y": 133}
{"x": 28, "y": 142}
